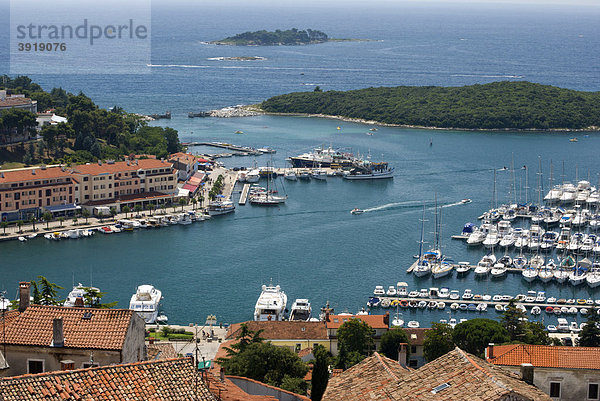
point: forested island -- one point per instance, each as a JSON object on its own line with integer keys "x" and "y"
{"x": 277, "y": 38}
{"x": 498, "y": 105}
{"x": 91, "y": 133}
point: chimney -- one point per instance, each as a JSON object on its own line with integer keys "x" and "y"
{"x": 386, "y": 319}
{"x": 99, "y": 162}
{"x": 67, "y": 364}
{"x": 33, "y": 171}
{"x": 79, "y": 302}
{"x": 527, "y": 373}
{"x": 489, "y": 351}
{"x": 24, "y": 295}
{"x": 58, "y": 338}
{"x": 402, "y": 353}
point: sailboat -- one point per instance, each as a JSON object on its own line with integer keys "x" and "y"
{"x": 422, "y": 265}
{"x": 443, "y": 267}
{"x": 267, "y": 198}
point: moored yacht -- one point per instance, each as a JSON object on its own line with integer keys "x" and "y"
{"x": 301, "y": 310}
{"x": 270, "y": 304}
{"x": 218, "y": 207}
{"x": 77, "y": 296}
{"x": 145, "y": 302}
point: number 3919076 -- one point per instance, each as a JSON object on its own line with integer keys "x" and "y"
{"x": 42, "y": 47}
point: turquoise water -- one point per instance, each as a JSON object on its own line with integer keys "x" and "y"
{"x": 313, "y": 247}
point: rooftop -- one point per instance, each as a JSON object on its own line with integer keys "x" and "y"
{"x": 375, "y": 321}
{"x": 106, "y": 329}
{"x": 160, "y": 351}
{"x": 544, "y": 356}
{"x": 117, "y": 167}
{"x": 458, "y": 375}
{"x": 172, "y": 379}
{"x": 416, "y": 336}
{"x": 283, "y": 330}
{"x": 183, "y": 158}
{"x": 367, "y": 380}
{"x": 32, "y": 174}
{"x": 13, "y": 101}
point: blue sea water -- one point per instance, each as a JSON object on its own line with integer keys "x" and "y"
{"x": 312, "y": 246}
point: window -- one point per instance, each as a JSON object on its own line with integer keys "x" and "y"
{"x": 413, "y": 363}
{"x": 35, "y": 366}
{"x": 555, "y": 389}
{"x": 413, "y": 349}
{"x": 85, "y": 178}
{"x": 593, "y": 391}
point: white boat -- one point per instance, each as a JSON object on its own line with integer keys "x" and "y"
{"x": 303, "y": 175}
{"x": 319, "y": 174}
{"x": 370, "y": 171}
{"x": 162, "y": 318}
{"x": 397, "y": 321}
{"x": 22, "y": 239}
{"x": 301, "y": 310}
{"x": 271, "y": 304}
{"x": 441, "y": 269}
{"x": 467, "y": 294}
{"x": 593, "y": 278}
{"x": 379, "y": 291}
{"x": 77, "y": 296}
{"x": 529, "y": 274}
{"x": 391, "y": 292}
{"x": 413, "y": 324}
{"x": 444, "y": 292}
{"x": 356, "y": 211}
{"x": 219, "y": 207}
{"x": 536, "y": 310}
{"x": 485, "y": 265}
{"x": 32, "y": 236}
{"x": 290, "y": 175}
{"x": 401, "y": 289}
{"x": 145, "y": 302}
{"x": 507, "y": 241}
{"x": 253, "y": 176}
{"x": 577, "y": 276}
{"x": 498, "y": 270}
{"x": 454, "y": 294}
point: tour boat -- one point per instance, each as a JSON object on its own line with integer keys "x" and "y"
{"x": 220, "y": 206}
{"x": 370, "y": 171}
{"x": 145, "y": 302}
{"x": 271, "y": 304}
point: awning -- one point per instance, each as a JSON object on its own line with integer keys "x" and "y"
{"x": 62, "y": 208}
{"x": 191, "y": 188}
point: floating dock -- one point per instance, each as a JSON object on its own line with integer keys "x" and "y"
{"x": 244, "y": 195}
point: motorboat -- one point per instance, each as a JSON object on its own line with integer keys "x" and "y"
{"x": 529, "y": 274}
{"x": 454, "y": 294}
{"x": 548, "y": 241}
{"x": 476, "y": 238}
{"x": 577, "y": 276}
{"x": 401, "y": 289}
{"x": 546, "y": 273}
{"x": 485, "y": 265}
{"x": 444, "y": 292}
{"x": 397, "y": 321}
{"x": 385, "y": 303}
{"x": 593, "y": 278}
{"x": 498, "y": 270}
{"x": 220, "y": 206}
{"x": 368, "y": 170}
{"x": 467, "y": 294}
{"x": 552, "y": 328}
{"x": 391, "y": 292}
{"x": 507, "y": 241}
{"x": 357, "y": 211}
{"x": 379, "y": 291}
{"x": 442, "y": 269}
{"x": 520, "y": 262}
{"x": 145, "y": 302}
{"x": 463, "y": 268}
{"x": 522, "y": 238}
{"x": 271, "y": 304}
{"x": 413, "y": 324}
{"x": 492, "y": 239}
{"x": 536, "y": 310}
{"x": 499, "y": 308}
{"x": 373, "y": 302}
{"x": 301, "y": 310}
{"x": 77, "y": 296}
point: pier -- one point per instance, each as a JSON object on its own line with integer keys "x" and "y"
{"x": 228, "y": 146}
{"x": 244, "y": 195}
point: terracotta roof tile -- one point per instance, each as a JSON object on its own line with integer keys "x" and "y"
{"x": 14, "y": 101}
{"x": 27, "y": 174}
{"x": 368, "y": 379}
{"x": 465, "y": 377}
{"x": 544, "y": 356}
{"x": 284, "y": 330}
{"x": 117, "y": 167}
{"x": 375, "y": 321}
{"x": 106, "y": 329}
{"x": 172, "y": 379}
{"x": 160, "y": 351}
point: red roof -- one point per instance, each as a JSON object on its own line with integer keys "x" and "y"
{"x": 190, "y": 187}
{"x": 117, "y": 167}
{"x": 33, "y": 174}
{"x": 545, "y": 356}
{"x": 375, "y": 321}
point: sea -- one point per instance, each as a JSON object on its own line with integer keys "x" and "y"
{"x": 312, "y": 246}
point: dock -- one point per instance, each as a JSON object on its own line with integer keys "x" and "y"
{"x": 228, "y": 146}
{"x": 244, "y": 195}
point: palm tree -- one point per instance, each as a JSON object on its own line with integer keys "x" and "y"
{"x": 163, "y": 206}
{"x": 61, "y": 219}
{"x": 19, "y": 224}
{"x": 182, "y": 202}
{"x": 75, "y": 220}
{"x": 85, "y": 213}
{"x": 151, "y": 207}
{"x": 113, "y": 212}
{"x": 32, "y": 220}
{"x": 126, "y": 209}
{"x": 47, "y": 216}
{"x": 4, "y": 225}
{"x": 138, "y": 209}
{"x": 194, "y": 202}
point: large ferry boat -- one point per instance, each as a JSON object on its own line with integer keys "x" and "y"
{"x": 322, "y": 157}
{"x": 145, "y": 302}
{"x": 270, "y": 304}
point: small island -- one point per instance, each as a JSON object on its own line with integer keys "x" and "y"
{"x": 277, "y": 38}
{"x": 495, "y": 106}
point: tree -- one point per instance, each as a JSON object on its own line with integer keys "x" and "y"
{"x": 126, "y": 210}
{"x": 355, "y": 341}
{"x": 317, "y": 89}
{"x": 86, "y": 214}
{"x": 475, "y": 335}
{"x": 32, "y": 220}
{"x": 320, "y": 373}
{"x": 183, "y": 202}
{"x": 75, "y": 220}
{"x": 438, "y": 341}
{"x": 113, "y": 212}
{"x": 47, "y": 216}
{"x": 137, "y": 209}
{"x": 19, "y": 224}
{"x": 92, "y": 297}
{"x": 267, "y": 363}
{"x": 535, "y": 333}
{"x": 513, "y": 320}
{"x": 60, "y": 220}
{"x": 48, "y": 291}
{"x": 37, "y": 297}
{"x": 244, "y": 338}
{"x": 151, "y": 207}
{"x": 4, "y": 225}
{"x": 390, "y": 343}
{"x": 194, "y": 202}
{"x": 590, "y": 335}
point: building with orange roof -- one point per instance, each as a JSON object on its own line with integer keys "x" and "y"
{"x": 161, "y": 380}
{"x": 126, "y": 183}
{"x": 29, "y": 192}
{"x": 564, "y": 373}
{"x": 379, "y": 323}
{"x": 185, "y": 163}
{"x": 40, "y": 338}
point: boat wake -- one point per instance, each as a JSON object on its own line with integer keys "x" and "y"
{"x": 411, "y": 205}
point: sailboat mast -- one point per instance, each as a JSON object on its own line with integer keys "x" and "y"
{"x": 422, "y": 234}
{"x": 436, "y": 232}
